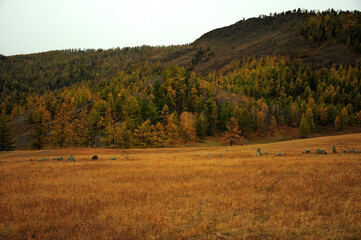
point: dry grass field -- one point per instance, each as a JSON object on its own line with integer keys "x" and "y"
{"x": 184, "y": 194}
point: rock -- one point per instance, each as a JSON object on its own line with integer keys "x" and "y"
{"x": 334, "y": 149}
{"x": 71, "y": 159}
{"x": 113, "y": 158}
{"x": 43, "y": 159}
{"x": 266, "y": 153}
{"x": 320, "y": 151}
{"x": 353, "y": 151}
{"x": 343, "y": 151}
{"x": 308, "y": 151}
{"x": 208, "y": 154}
{"x": 279, "y": 154}
{"x": 1, "y": 161}
{"x": 31, "y": 159}
{"x": 227, "y": 150}
{"x": 95, "y": 157}
{"x": 60, "y": 159}
{"x": 259, "y": 153}
{"x": 220, "y": 154}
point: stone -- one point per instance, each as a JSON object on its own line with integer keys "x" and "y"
{"x": 113, "y": 158}
{"x": 220, "y": 154}
{"x": 95, "y": 157}
{"x": 227, "y": 150}
{"x": 308, "y": 151}
{"x": 259, "y": 153}
{"x": 266, "y": 153}
{"x": 43, "y": 159}
{"x": 279, "y": 154}
{"x": 321, "y": 151}
{"x": 71, "y": 159}
{"x": 60, "y": 159}
{"x": 334, "y": 149}
{"x": 343, "y": 151}
{"x": 208, "y": 154}
{"x": 353, "y": 151}
{"x": 1, "y": 161}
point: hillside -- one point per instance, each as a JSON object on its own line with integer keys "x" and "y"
{"x": 184, "y": 193}
{"x": 293, "y": 70}
{"x": 277, "y": 35}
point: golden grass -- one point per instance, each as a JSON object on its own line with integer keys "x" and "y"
{"x": 184, "y": 194}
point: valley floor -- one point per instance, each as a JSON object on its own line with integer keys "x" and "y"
{"x": 192, "y": 193}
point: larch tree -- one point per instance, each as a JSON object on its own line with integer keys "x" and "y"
{"x": 338, "y": 124}
{"x": 143, "y": 135}
{"x": 123, "y": 136}
{"x": 309, "y": 117}
{"x": 201, "y": 128}
{"x": 79, "y": 136}
{"x": 61, "y": 134}
{"x": 344, "y": 118}
{"x": 272, "y": 126}
{"x": 358, "y": 118}
{"x": 187, "y": 123}
{"x": 40, "y": 128}
{"x": 159, "y": 137}
{"x": 244, "y": 119}
{"x": 232, "y": 135}
{"x": 211, "y": 116}
{"x": 109, "y": 137}
{"x": 304, "y": 129}
{"x": 173, "y": 130}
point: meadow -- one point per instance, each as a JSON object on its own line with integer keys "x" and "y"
{"x": 184, "y": 193}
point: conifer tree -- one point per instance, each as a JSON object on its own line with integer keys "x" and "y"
{"x": 233, "y": 133}
{"x": 173, "y": 130}
{"x": 211, "y": 116}
{"x": 79, "y": 136}
{"x": 304, "y": 129}
{"x": 244, "y": 119}
{"x": 143, "y": 135}
{"x": 109, "y": 137}
{"x": 123, "y": 136}
{"x": 159, "y": 137}
{"x": 338, "y": 125}
{"x": 309, "y": 116}
{"x": 201, "y": 128}
{"x": 61, "y": 133}
{"x": 272, "y": 126}
{"x": 187, "y": 123}
{"x": 6, "y": 142}
{"x": 40, "y": 128}
{"x": 358, "y": 118}
{"x": 344, "y": 118}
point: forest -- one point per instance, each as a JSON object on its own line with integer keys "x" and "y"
{"x": 119, "y": 98}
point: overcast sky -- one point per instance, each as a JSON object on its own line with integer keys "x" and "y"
{"x": 28, "y": 26}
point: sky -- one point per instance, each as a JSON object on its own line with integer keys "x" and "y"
{"x": 29, "y": 26}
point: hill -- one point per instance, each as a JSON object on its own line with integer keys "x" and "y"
{"x": 276, "y": 35}
{"x": 265, "y": 72}
{"x": 184, "y": 193}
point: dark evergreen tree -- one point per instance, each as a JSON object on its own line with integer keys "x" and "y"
{"x": 201, "y": 128}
